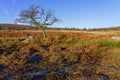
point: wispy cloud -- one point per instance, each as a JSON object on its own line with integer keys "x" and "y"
{"x": 6, "y": 11}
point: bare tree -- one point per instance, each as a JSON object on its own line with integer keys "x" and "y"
{"x": 38, "y": 17}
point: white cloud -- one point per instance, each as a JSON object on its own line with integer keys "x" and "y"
{"x": 6, "y": 11}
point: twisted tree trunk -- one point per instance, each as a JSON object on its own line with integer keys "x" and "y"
{"x": 40, "y": 26}
{"x": 44, "y": 33}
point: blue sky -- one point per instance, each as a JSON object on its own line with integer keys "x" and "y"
{"x": 73, "y": 13}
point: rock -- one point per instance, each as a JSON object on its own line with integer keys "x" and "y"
{"x": 29, "y": 74}
{"x": 37, "y": 74}
{"x": 41, "y": 74}
{"x": 28, "y": 39}
{"x": 34, "y": 58}
{"x": 116, "y": 37}
{"x": 9, "y": 76}
{"x": 62, "y": 74}
{"x": 67, "y": 65}
{"x": 33, "y": 51}
{"x": 105, "y": 77}
{"x": 87, "y": 75}
{"x": 2, "y": 68}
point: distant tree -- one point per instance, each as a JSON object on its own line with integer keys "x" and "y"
{"x": 84, "y": 29}
{"x": 38, "y": 17}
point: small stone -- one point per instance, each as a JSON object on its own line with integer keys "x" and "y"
{"x": 37, "y": 74}
{"x": 9, "y": 76}
{"x": 62, "y": 74}
{"x": 2, "y": 68}
{"x": 116, "y": 37}
{"x": 105, "y": 77}
{"x": 28, "y": 74}
{"x": 34, "y": 58}
{"x": 67, "y": 65}
{"x": 33, "y": 51}
{"x": 41, "y": 74}
{"x": 87, "y": 75}
{"x": 28, "y": 39}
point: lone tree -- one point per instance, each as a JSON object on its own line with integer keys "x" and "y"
{"x": 38, "y": 17}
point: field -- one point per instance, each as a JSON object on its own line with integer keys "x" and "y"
{"x": 63, "y": 55}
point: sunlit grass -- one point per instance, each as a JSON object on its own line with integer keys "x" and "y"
{"x": 68, "y": 42}
{"x": 72, "y": 50}
{"x": 116, "y": 55}
{"x": 73, "y": 42}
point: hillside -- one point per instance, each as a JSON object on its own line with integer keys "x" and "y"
{"x": 15, "y": 27}
{"x": 63, "y": 55}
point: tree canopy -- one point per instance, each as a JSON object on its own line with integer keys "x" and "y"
{"x": 38, "y": 17}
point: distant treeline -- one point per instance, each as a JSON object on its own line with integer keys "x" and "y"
{"x": 106, "y": 29}
{"x": 27, "y": 27}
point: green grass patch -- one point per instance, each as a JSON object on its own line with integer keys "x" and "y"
{"x": 73, "y": 42}
{"x": 110, "y": 43}
{"x": 69, "y": 42}
{"x": 5, "y": 43}
{"x": 116, "y": 55}
{"x": 82, "y": 42}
